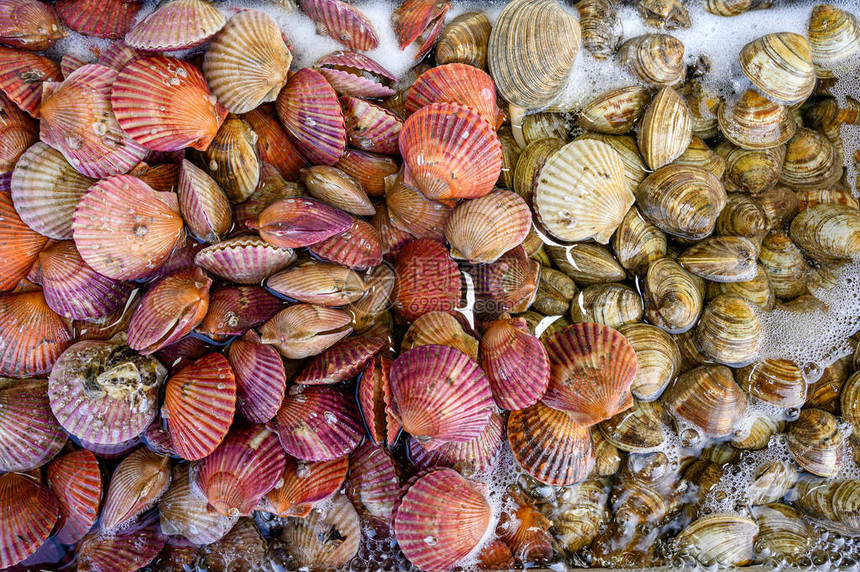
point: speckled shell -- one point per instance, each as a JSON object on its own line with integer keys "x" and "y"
{"x": 456, "y": 83}
{"x": 15, "y": 67}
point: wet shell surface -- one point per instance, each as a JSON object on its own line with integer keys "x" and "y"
{"x": 708, "y": 398}
{"x": 478, "y": 456}
{"x": 27, "y": 515}
{"x": 244, "y": 259}
{"x": 25, "y": 410}
{"x": 580, "y": 192}
{"x": 135, "y": 486}
{"x": 76, "y": 480}
{"x": 19, "y": 69}
{"x": 516, "y": 364}
{"x": 481, "y": 230}
{"x": 456, "y": 83}
{"x": 184, "y": 510}
{"x": 780, "y": 66}
{"x": 107, "y": 19}
{"x": 343, "y": 22}
{"x": 32, "y": 336}
{"x": 305, "y": 484}
{"x": 19, "y": 244}
{"x": 176, "y": 25}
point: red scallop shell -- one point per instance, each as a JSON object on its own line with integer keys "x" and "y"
{"x": 309, "y": 109}
{"x": 411, "y": 18}
{"x": 342, "y": 361}
{"x": 244, "y": 467}
{"x": 157, "y": 437}
{"x": 125, "y": 550}
{"x": 304, "y": 484}
{"x": 135, "y": 486}
{"x": 124, "y": 230}
{"x": 351, "y": 73}
{"x": 369, "y": 169}
{"x": 244, "y": 259}
{"x": 293, "y": 223}
{"x": 165, "y": 104}
{"x": 32, "y": 336}
{"x": 441, "y": 518}
{"x": 200, "y": 400}
{"x": 183, "y": 352}
{"x": 22, "y": 75}
{"x": 73, "y": 289}
{"x": 515, "y": 362}
{"x": 358, "y": 247}
{"x": 77, "y": 120}
{"x": 28, "y": 511}
{"x": 100, "y": 18}
{"x": 70, "y": 63}
{"x": 507, "y": 285}
{"x": 17, "y": 133}
{"x": 427, "y": 280}
{"x": 342, "y": 22}
{"x": 233, "y": 310}
{"x": 76, "y": 480}
{"x": 374, "y": 400}
{"x": 176, "y": 25}
{"x": 591, "y": 370}
{"x": 260, "y": 378}
{"x": 30, "y": 435}
{"x": 550, "y": 445}
{"x": 318, "y": 423}
{"x": 19, "y": 245}
{"x": 478, "y": 456}
{"x": 371, "y": 127}
{"x": 119, "y": 54}
{"x": 456, "y": 83}
{"x": 29, "y": 24}
{"x": 273, "y": 144}
{"x": 440, "y": 395}
{"x": 414, "y": 213}
{"x": 373, "y": 481}
{"x": 395, "y": 238}
{"x": 451, "y": 152}
{"x": 172, "y": 308}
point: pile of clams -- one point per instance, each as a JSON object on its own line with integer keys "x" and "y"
{"x": 255, "y": 316}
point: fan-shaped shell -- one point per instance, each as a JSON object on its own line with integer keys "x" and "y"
{"x": 273, "y": 144}
{"x": 293, "y": 223}
{"x": 478, "y": 456}
{"x": 411, "y": 211}
{"x": 358, "y": 247}
{"x": 439, "y": 328}
{"x": 304, "y": 330}
{"x": 28, "y": 511}
{"x": 18, "y": 133}
{"x": 184, "y": 510}
{"x": 136, "y": 485}
{"x": 440, "y": 519}
{"x": 176, "y": 25}
{"x": 516, "y": 364}
{"x": 22, "y": 75}
{"x": 343, "y": 22}
{"x": 260, "y": 378}
{"x": 373, "y": 482}
{"x": 482, "y": 229}
{"x": 244, "y": 259}
{"x": 32, "y": 336}
{"x": 76, "y": 480}
{"x": 100, "y": 18}
{"x": 427, "y": 280}
{"x": 591, "y": 370}
{"x": 19, "y": 245}
{"x": 325, "y": 539}
{"x": 456, "y": 83}
{"x": 370, "y": 126}
{"x": 303, "y": 484}
{"x": 29, "y": 434}
{"x": 232, "y": 159}
{"x": 319, "y": 283}
{"x": 374, "y": 401}
{"x": 580, "y": 192}
{"x": 310, "y": 111}
{"x": 29, "y": 24}
{"x": 128, "y": 549}
{"x": 247, "y": 62}
{"x": 550, "y": 445}
{"x": 77, "y": 120}
{"x": 450, "y": 152}
{"x": 164, "y": 104}
{"x": 342, "y": 361}
{"x": 200, "y": 400}
{"x": 351, "y": 73}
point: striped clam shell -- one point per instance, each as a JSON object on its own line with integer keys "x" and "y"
{"x": 28, "y": 511}
{"x": 76, "y": 480}
{"x": 32, "y": 336}
{"x": 19, "y": 245}
{"x": 100, "y": 18}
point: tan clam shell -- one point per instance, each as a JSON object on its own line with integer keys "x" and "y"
{"x": 751, "y": 171}
{"x": 698, "y": 154}
{"x": 637, "y": 243}
{"x": 811, "y": 162}
{"x": 779, "y": 204}
{"x": 658, "y": 357}
{"x": 784, "y": 264}
{"x": 639, "y": 429}
{"x": 780, "y": 66}
{"x": 555, "y": 291}
{"x": 742, "y": 216}
{"x": 726, "y": 539}
{"x": 545, "y": 124}
{"x": 783, "y": 532}
{"x": 817, "y": 443}
{"x": 481, "y": 230}
{"x": 755, "y": 122}
{"x": 580, "y": 193}
{"x": 704, "y": 103}
{"x": 656, "y": 59}
{"x": 530, "y": 161}
{"x": 673, "y": 296}
{"x": 756, "y": 432}
{"x": 601, "y": 27}
{"x": 834, "y": 39}
{"x": 721, "y": 259}
{"x": 232, "y": 159}
{"x": 734, "y": 7}
{"x": 850, "y": 401}
{"x": 776, "y": 381}
{"x": 616, "y": 111}
{"x": 771, "y": 481}
{"x": 758, "y": 290}
{"x": 827, "y": 232}
{"x": 708, "y": 398}
{"x": 729, "y": 330}
{"x": 666, "y": 128}
{"x": 611, "y": 305}
{"x": 464, "y": 40}
{"x": 587, "y": 263}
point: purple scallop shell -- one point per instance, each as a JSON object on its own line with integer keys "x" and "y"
{"x": 124, "y": 550}
{"x": 351, "y": 73}
{"x": 342, "y": 361}
{"x": 373, "y": 481}
{"x": 343, "y": 23}
{"x": 479, "y": 456}
{"x": 233, "y": 310}
{"x": 30, "y": 435}
{"x": 260, "y": 378}
{"x": 358, "y": 247}
{"x": 371, "y": 127}
{"x": 244, "y": 259}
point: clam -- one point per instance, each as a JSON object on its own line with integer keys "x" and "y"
{"x": 582, "y": 513}
{"x": 834, "y": 38}
{"x": 666, "y": 128}
{"x": 530, "y": 54}
{"x": 639, "y": 429}
{"x": 724, "y": 539}
{"x": 545, "y": 124}
{"x": 735, "y": 7}
{"x": 669, "y": 14}
{"x": 721, "y": 259}
{"x": 708, "y": 399}
{"x": 742, "y": 217}
{"x": 776, "y": 381}
{"x": 184, "y": 510}
{"x": 756, "y": 432}
{"x": 682, "y": 201}
{"x": 656, "y": 59}
{"x": 612, "y": 305}
{"x": 729, "y": 330}
{"x": 580, "y": 192}
{"x": 587, "y": 263}
{"x": 771, "y": 481}
{"x": 754, "y": 122}
{"x": 758, "y": 290}
{"x": 637, "y": 243}
{"x": 817, "y": 443}
{"x": 828, "y": 232}
{"x": 779, "y": 204}
{"x": 658, "y": 357}
{"x": 616, "y": 111}
{"x": 698, "y": 154}
{"x": 601, "y": 27}
{"x": 784, "y": 264}
{"x": 704, "y": 104}
{"x": 780, "y": 66}
{"x": 673, "y": 297}
{"x": 782, "y": 531}
{"x": 464, "y": 40}
{"x": 524, "y": 175}
{"x": 810, "y": 162}
{"x": 850, "y": 404}
{"x": 555, "y": 292}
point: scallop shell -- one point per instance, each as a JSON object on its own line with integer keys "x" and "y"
{"x": 359, "y": 247}
{"x": 176, "y": 25}
{"x": 128, "y": 549}
{"x": 74, "y": 290}
{"x": 232, "y": 159}
{"x": 76, "y": 480}
{"x": 100, "y": 18}
{"x": 373, "y": 483}
{"x": 77, "y": 120}
{"x": 273, "y": 144}
{"x": 304, "y": 330}
{"x": 32, "y": 336}
{"x": 126, "y": 205}
{"x": 246, "y": 63}
{"x": 29, "y": 24}
{"x": 509, "y": 284}
{"x": 456, "y": 83}
{"x": 424, "y": 408}
{"x": 18, "y": 131}
{"x": 414, "y": 213}
{"x": 309, "y": 109}
{"x": 164, "y": 104}
{"x": 135, "y": 486}
{"x": 260, "y": 378}
{"x": 341, "y": 361}
{"x": 369, "y": 169}
{"x": 200, "y": 400}
{"x": 369, "y": 126}
{"x": 244, "y": 259}
{"x": 243, "y": 548}
{"x": 482, "y": 229}
{"x": 19, "y": 245}
{"x": 479, "y": 456}
{"x": 233, "y": 310}
{"x": 29, "y": 434}
{"x": 304, "y": 484}
{"x": 428, "y": 280}
{"x": 184, "y": 510}
{"x": 343, "y": 22}
{"x": 325, "y": 539}
{"x": 204, "y": 206}
{"x": 333, "y": 186}
{"x": 516, "y": 364}
{"x": 439, "y": 328}
{"x": 550, "y": 445}
{"x": 171, "y": 308}
{"x": 780, "y": 66}
{"x": 450, "y": 151}
{"x": 22, "y": 75}
{"x": 374, "y": 401}
{"x": 593, "y": 174}
{"x": 28, "y": 511}
{"x": 351, "y": 73}
{"x": 440, "y": 519}
{"x": 318, "y": 423}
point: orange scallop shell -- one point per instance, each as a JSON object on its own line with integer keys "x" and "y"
{"x": 32, "y": 336}
{"x": 19, "y": 245}
{"x": 456, "y": 83}
{"x": 304, "y": 484}
{"x": 77, "y": 481}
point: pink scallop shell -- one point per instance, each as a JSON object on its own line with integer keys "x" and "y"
{"x": 125, "y": 550}
{"x": 428, "y": 280}
{"x": 456, "y": 83}
{"x": 342, "y": 361}
{"x": 371, "y": 127}
{"x": 261, "y": 379}
{"x": 358, "y": 247}
{"x": 374, "y": 401}
{"x": 351, "y": 73}
{"x": 22, "y": 75}
{"x": 32, "y": 336}
{"x": 342, "y": 22}
{"x": 304, "y": 484}
{"x": 100, "y": 18}
{"x": 478, "y": 456}
{"x": 293, "y": 223}
{"x": 30, "y": 435}
{"x": 28, "y": 511}
{"x": 516, "y": 364}
{"x": 244, "y": 259}
{"x": 76, "y": 479}
{"x": 176, "y": 25}
{"x": 373, "y": 481}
